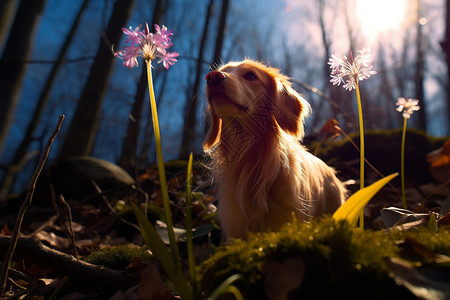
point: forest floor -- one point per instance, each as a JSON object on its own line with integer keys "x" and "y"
{"x": 79, "y": 227}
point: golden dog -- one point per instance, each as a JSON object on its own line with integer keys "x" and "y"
{"x": 263, "y": 173}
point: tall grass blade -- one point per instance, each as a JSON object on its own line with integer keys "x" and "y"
{"x": 351, "y": 209}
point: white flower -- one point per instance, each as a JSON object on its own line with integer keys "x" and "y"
{"x": 407, "y": 106}
{"x": 349, "y": 72}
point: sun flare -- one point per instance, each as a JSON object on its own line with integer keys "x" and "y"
{"x": 380, "y": 16}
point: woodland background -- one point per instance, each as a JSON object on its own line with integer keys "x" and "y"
{"x": 56, "y": 58}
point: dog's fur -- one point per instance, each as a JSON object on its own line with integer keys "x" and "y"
{"x": 263, "y": 173}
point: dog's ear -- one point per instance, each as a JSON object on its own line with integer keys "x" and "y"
{"x": 290, "y": 109}
{"x": 214, "y": 125}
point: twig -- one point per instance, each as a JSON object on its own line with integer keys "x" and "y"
{"x": 59, "y": 287}
{"x": 25, "y": 205}
{"x": 99, "y": 191}
{"x": 108, "y": 191}
{"x": 50, "y": 222}
{"x": 32, "y": 250}
{"x": 367, "y": 162}
{"x": 68, "y": 225}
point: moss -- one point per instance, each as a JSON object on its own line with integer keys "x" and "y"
{"x": 118, "y": 257}
{"x": 434, "y": 242}
{"x": 383, "y": 149}
{"x": 340, "y": 261}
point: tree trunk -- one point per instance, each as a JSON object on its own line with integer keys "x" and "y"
{"x": 10, "y": 175}
{"x": 7, "y": 11}
{"x": 335, "y": 92}
{"x": 86, "y": 120}
{"x": 13, "y": 65}
{"x": 420, "y": 69}
{"x": 386, "y": 90}
{"x": 221, "y": 32}
{"x": 351, "y": 123}
{"x": 192, "y": 100}
{"x": 128, "y": 156}
{"x": 446, "y": 48}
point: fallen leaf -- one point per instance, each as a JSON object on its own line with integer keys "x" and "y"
{"x": 151, "y": 285}
{"x": 445, "y": 219}
{"x": 5, "y": 230}
{"x": 439, "y": 161}
{"x": 281, "y": 278}
{"x": 425, "y": 283}
{"x": 412, "y": 250}
{"x": 53, "y": 240}
{"x": 130, "y": 294}
{"x": 329, "y": 129}
{"x": 394, "y": 216}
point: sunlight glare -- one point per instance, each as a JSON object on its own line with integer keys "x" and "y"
{"x": 380, "y": 16}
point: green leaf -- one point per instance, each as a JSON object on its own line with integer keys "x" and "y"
{"x": 227, "y": 287}
{"x": 152, "y": 239}
{"x": 189, "y": 237}
{"x": 352, "y": 207}
{"x": 163, "y": 254}
{"x": 199, "y": 231}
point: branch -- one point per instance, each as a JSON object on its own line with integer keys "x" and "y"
{"x": 25, "y": 205}
{"x": 32, "y": 250}
{"x": 45, "y": 61}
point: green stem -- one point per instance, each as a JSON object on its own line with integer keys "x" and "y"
{"x": 361, "y": 140}
{"x": 189, "y": 238}
{"x": 162, "y": 173}
{"x": 163, "y": 254}
{"x": 403, "y": 164}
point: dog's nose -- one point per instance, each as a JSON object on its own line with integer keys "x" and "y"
{"x": 214, "y": 77}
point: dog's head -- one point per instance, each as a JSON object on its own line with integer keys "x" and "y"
{"x": 248, "y": 90}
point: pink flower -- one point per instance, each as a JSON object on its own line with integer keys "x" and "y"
{"x": 133, "y": 35}
{"x": 128, "y": 54}
{"x": 168, "y": 59}
{"x": 164, "y": 35}
{"x": 349, "y": 72}
{"x": 147, "y": 45}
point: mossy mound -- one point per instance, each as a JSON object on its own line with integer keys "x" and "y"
{"x": 383, "y": 150}
{"x": 119, "y": 257}
{"x": 332, "y": 259}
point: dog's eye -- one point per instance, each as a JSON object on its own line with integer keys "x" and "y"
{"x": 250, "y": 76}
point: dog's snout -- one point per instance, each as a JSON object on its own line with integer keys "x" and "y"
{"x": 214, "y": 77}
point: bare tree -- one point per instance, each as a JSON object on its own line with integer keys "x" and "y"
{"x": 11, "y": 170}
{"x": 192, "y": 100}
{"x": 336, "y": 93}
{"x": 221, "y": 32}
{"x": 128, "y": 156}
{"x": 445, "y": 45}
{"x": 7, "y": 11}
{"x": 12, "y": 64}
{"x": 386, "y": 89}
{"x": 420, "y": 70}
{"x": 83, "y": 128}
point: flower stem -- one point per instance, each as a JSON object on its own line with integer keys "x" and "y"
{"x": 361, "y": 141}
{"x": 161, "y": 170}
{"x": 403, "y": 163}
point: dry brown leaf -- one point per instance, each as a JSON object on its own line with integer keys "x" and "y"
{"x": 151, "y": 285}
{"x": 130, "y": 294}
{"x": 445, "y": 219}
{"x": 281, "y": 278}
{"x": 5, "y": 230}
{"x": 439, "y": 161}
{"x": 329, "y": 129}
{"x": 53, "y": 240}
